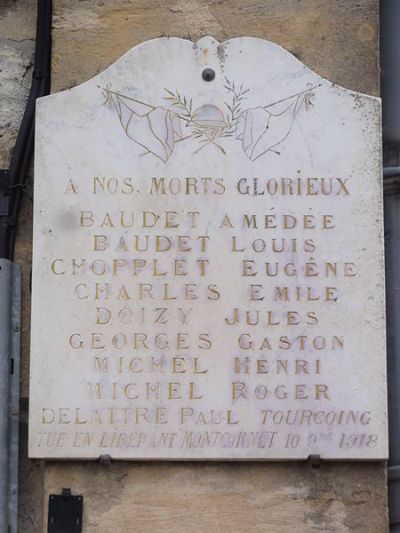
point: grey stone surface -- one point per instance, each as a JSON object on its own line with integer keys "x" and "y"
{"x": 16, "y": 61}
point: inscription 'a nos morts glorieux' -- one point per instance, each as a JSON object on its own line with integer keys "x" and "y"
{"x": 208, "y": 266}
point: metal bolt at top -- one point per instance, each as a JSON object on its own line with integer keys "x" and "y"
{"x": 208, "y": 74}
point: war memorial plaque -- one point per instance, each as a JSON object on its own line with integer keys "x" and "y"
{"x": 208, "y": 261}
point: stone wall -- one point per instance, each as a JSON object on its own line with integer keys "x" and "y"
{"x": 338, "y": 40}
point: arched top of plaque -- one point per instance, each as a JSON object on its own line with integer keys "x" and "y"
{"x": 249, "y": 58}
{"x": 245, "y": 93}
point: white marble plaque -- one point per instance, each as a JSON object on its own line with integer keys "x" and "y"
{"x": 208, "y": 261}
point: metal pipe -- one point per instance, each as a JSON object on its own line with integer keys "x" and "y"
{"x": 10, "y": 295}
{"x": 391, "y": 172}
{"x": 5, "y": 341}
{"x": 13, "y": 428}
{"x": 390, "y": 90}
{"x": 392, "y": 246}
